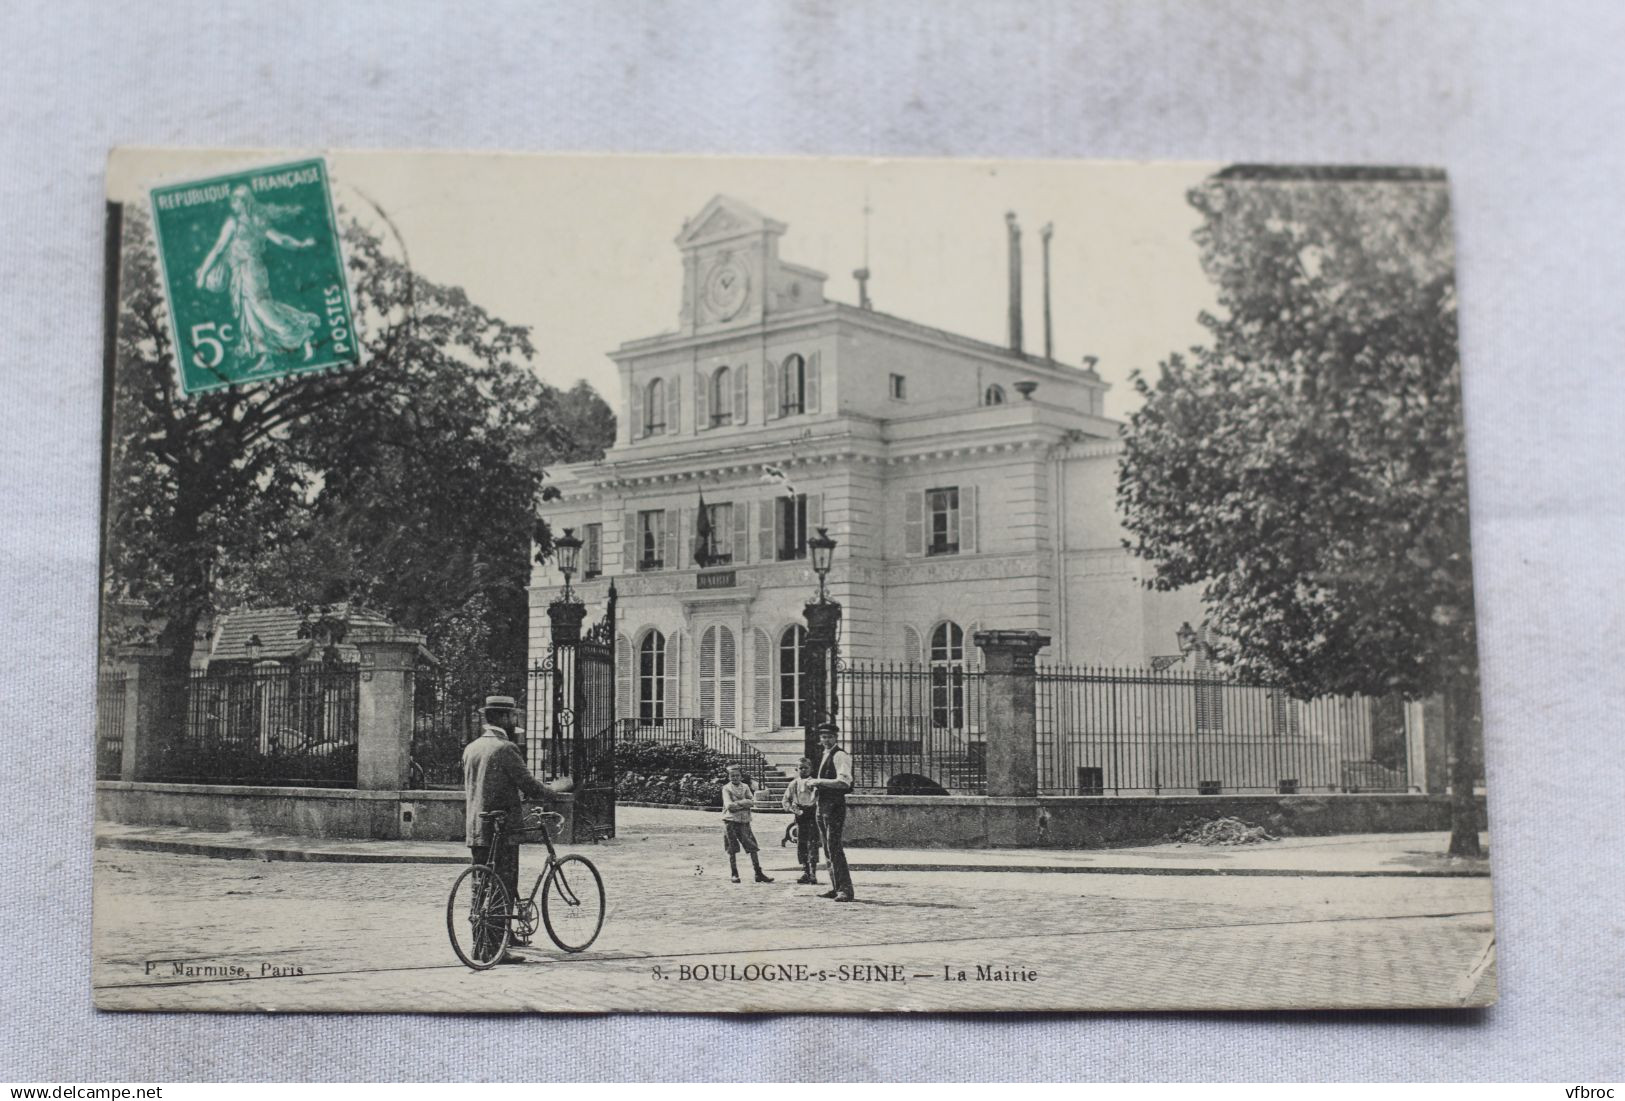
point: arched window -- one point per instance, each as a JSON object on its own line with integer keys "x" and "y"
{"x": 719, "y": 677}
{"x": 652, "y": 679}
{"x": 793, "y": 385}
{"x": 948, "y": 676}
{"x": 722, "y": 397}
{"x": 791, "y": 645}
{"x": 654, "y": 407}
{"x": 993, "y": 395}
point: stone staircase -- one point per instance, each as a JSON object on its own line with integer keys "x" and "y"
{"x": 782, "y": 748}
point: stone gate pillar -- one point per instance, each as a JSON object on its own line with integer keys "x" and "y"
{"x": 820, "y": 686}
{"x": 385, "y": 710}
{"x": 143, "y": 669}
{"x": 1010, "y": 700}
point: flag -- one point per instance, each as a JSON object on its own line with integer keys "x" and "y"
{"x": 702, "y": 535}
{"x": 775, "y": 476}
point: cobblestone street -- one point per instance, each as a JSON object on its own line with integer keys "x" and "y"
{"x": 680, "y": 936}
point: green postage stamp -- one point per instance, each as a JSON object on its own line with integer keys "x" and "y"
{"x": 254, "y": 275}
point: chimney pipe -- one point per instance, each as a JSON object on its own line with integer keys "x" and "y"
{"x": 1049, "y": 334}
{"x": 1015, "y": 281}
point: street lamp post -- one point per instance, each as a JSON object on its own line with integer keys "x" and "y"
{"x": 821, "y": 653}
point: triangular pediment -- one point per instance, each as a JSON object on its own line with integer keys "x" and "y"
{"x": 724, "y": 217}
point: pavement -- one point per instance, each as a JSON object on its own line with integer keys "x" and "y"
{"x": 296, "y": 924}
{"x": 1379, "y": 854}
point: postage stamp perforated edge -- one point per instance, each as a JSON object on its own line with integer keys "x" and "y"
{"x": 333, "y": 244}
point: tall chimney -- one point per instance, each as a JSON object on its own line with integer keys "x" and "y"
{"x": 1049, "y": 333}
{"x": 1015, "y": 280}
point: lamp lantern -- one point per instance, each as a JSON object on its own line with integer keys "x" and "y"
{"x": 1187, "y": 638}
{"x": 822, "y": 548}
{"x": 568, "y": 547}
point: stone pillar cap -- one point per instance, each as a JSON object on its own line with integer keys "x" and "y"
{"x": 1015, "y": 639}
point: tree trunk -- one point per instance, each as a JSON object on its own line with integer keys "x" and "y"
{"x": 1464, "y": 718}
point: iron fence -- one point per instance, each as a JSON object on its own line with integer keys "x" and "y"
{"x": 286, "y": 726}
{"x": 446, "y": 717}
{"x": 1138, "y": 732}
{"x": 110, "y": 694}
{"x": 914, "y": 729}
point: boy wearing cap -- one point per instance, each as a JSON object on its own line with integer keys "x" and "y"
{"x": 801, "y": 800}
{"x": 737, "y": 800}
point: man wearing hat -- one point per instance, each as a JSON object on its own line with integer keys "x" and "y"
{"x": 832, "y": 782}
{"x": 495, "y": 778}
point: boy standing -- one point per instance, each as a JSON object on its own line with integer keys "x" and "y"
{"x": 737, "y": 799}
{"x": 801, "y": 800}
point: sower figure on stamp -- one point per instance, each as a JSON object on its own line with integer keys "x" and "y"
{"x": 495, "y": 779}
{"x": 236, "y": 265}
{"x": 801, "y": 800}
{"x": 833, "y": 781}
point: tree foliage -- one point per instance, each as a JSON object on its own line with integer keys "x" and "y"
{"x": 1306, "y": 466}
{"x": 408, "y": 484}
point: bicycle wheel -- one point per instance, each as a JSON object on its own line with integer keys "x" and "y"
{"x": 573, "y": 903}
{"x": 477, "y": 917}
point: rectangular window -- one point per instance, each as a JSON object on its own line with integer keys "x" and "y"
{"x": 942, "y": 518}
{"x": 1091, "y": 780}
{"x": 793, "y": 387}
{"x": 651, "y": 539}
{"x": 792, "y": 527}
{"x": 592, "y": 552}
{"x": 719, "y": 544}
{"x": 899, "y": 388}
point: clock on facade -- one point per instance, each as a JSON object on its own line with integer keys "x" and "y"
{"x": 726, "y": 288}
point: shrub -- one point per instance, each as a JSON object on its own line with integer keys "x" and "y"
{"x": 678, "y": 757}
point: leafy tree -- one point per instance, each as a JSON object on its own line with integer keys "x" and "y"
{"x": 1306, "y": 467}
{"x": 408, "y": 484}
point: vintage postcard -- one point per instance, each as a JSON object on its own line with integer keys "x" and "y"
{"x": 589, "y": 584}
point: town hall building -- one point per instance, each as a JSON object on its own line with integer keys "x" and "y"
{"x": 969, "y": 485}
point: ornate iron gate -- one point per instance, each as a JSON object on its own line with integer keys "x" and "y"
{"x": 578, "y": 679}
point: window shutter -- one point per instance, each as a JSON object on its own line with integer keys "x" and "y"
{"x": 629, "y": 543}
{"x": 767, "y": 511}
{"x": 741, "y": 532}
{"x": 708, "y": 674}
{"x": 674, "y": 666}
{"x": 674, "y": 405}
{"x": 967, "y": 520}
{"x": 770, "y": 390}
{"x": 727, "y": 680}
{"x": 911, "y": 646}
{"x": 637, "y": 411}
{"x": 914, "y": 523}
{"x": 815, "y": 513}
{"x": 625, "y": 707}
{"x": 741, "y": 394}
{"x": 811, "y": 391}
{"x": 761, "y": 695}
{"x": 673, "y": 552}
{"x": 702, "y": 400}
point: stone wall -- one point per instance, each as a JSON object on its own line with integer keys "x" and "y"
{"x": 300, "y": 812}
{"x": 972, "y": 822}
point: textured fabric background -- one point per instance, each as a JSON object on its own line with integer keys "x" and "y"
{"x": 1521, "y": 102}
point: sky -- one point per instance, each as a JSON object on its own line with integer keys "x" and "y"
{"x": 582, "y": 248}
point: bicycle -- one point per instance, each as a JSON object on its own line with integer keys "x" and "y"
{"x": 483, "y": 921}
